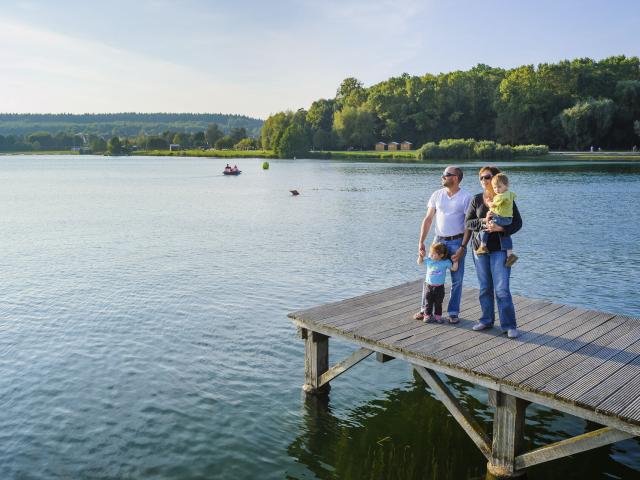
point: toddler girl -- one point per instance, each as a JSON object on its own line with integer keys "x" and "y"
{"x": 433, "y": 290}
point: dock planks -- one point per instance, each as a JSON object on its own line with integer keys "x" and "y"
{"x": 582, "y": 361}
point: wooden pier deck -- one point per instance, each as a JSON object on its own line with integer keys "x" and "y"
{"x": 574, "y": 360}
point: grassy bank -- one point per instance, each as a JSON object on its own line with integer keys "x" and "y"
{"x": 366, "y": 154}
{"x": 210, "y": 153}
{"x": 42, "y": 152}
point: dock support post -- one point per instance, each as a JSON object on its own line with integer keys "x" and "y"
{"x": 508, "y": 434}
{"x": 316, "y": 362}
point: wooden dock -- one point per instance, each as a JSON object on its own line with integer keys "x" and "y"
{"x": 578, "y": 361}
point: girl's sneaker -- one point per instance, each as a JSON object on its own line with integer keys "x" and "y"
{"x": 439, "y": 319}
{"x": 428, "y": 319}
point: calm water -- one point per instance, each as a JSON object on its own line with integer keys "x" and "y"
{"x": 143, "y": 302}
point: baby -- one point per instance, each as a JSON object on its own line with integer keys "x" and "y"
{"x": 501, "y": 213}
{"x": 433, "y": 291}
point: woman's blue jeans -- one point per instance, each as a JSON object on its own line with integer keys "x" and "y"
{"x": 493, "y": 277}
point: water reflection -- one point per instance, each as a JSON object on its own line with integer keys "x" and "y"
{"x": 408, "y": 434}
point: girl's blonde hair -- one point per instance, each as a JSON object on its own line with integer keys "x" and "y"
{"x": 501, "y": 179}
{"x": 439, "y": 248}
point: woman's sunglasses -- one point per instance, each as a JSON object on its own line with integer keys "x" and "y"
{"x": 486, "y": 177}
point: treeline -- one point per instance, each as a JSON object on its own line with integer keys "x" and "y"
{"x": 212, "y": 137}
{"x": 124, "y": 124}
{"x": 571, "y": 104}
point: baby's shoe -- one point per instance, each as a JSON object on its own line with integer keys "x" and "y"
{"x": 482, "y": 250}
{"x": 511, "y": 259}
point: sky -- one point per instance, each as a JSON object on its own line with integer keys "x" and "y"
{"x": 261, "y": 57}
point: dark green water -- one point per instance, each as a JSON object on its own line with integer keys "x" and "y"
{"x": 143, "y": 302}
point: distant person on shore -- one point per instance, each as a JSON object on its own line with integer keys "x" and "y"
{"x": 433, "y": 292}
{"x": 591, "y": 148}
{"x": 493, "y": 274}
{"x": 500, "y": 213}
{"x": 448, "y": 206}
{"x": 635, "y": 149}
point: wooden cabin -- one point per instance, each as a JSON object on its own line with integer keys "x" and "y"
{"x": 406, "y": 145}
{"x": 393, "y": 146}
{"x": 381, "y": 146}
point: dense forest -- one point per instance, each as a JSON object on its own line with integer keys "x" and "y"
{"x": 572, "y": 104}
{"x": 107, "y": 125}
{"x": 237, "y": 138}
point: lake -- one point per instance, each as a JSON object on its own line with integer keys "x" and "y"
{"x": 143, "y": 302}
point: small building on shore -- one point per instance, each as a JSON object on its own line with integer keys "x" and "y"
{"x": 381, "y": 146}
{"x": 174, "y": 147}
{"x": 393, "y": 146}
{"x": 406, "y": 145}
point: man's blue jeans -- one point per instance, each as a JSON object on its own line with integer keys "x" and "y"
{"x": 456, "y": 277}
{"x": 493, "y": 277}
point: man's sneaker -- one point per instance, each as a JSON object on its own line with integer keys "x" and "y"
{"x": 453, "y": 319}
{"x": 512, "y": 333}
{"x": 482, "y": 250}
{"x": 481, "y": 326}
{"x": 511, "y": 259}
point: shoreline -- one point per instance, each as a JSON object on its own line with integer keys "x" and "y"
{"x": 376, "y": 156}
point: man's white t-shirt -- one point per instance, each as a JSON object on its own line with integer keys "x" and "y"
{"x": 450, "y": 211}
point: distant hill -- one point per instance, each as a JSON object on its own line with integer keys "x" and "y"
{"x": 124, "y": 124}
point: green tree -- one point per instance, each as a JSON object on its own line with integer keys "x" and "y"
{"x": 181, "y": 139}
{"x": 588, "y": 122}
{"x": 213, "y": 133}
{"x": 198, "y": 139}
{"x": 238, "y": 134}
{"x": 156, "y": 143}
{"x": 350, "y": 93}
{"x": 293, "y": 142}
{"x": 247, "y": 144}
{"x": 355, "y": 127}
{"x": 114, "y": 147}
{"x": 224, "y": 142}
{"x": 320, "y": 115}
{"x": 98, "y": 145}
{"x": 273, "y": 128}
{"x": 42, "y": 139}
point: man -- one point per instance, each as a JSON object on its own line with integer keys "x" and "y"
{"x": 448, "y": 206}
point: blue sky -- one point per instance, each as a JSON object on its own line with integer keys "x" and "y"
{"x": 260, "y": 57}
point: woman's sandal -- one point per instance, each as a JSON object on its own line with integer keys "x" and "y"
{"x": 419, "y": 316}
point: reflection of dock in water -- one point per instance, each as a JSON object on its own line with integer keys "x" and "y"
{"x": 577, "y": 361}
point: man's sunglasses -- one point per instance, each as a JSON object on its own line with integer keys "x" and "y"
{"x": 449, "y": 174}
{"x": 486, "y": 177}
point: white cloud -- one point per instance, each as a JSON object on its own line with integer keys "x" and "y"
{"x": 50, "y": 72}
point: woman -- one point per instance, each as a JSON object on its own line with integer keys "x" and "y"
{"x": 493, "y": 274}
